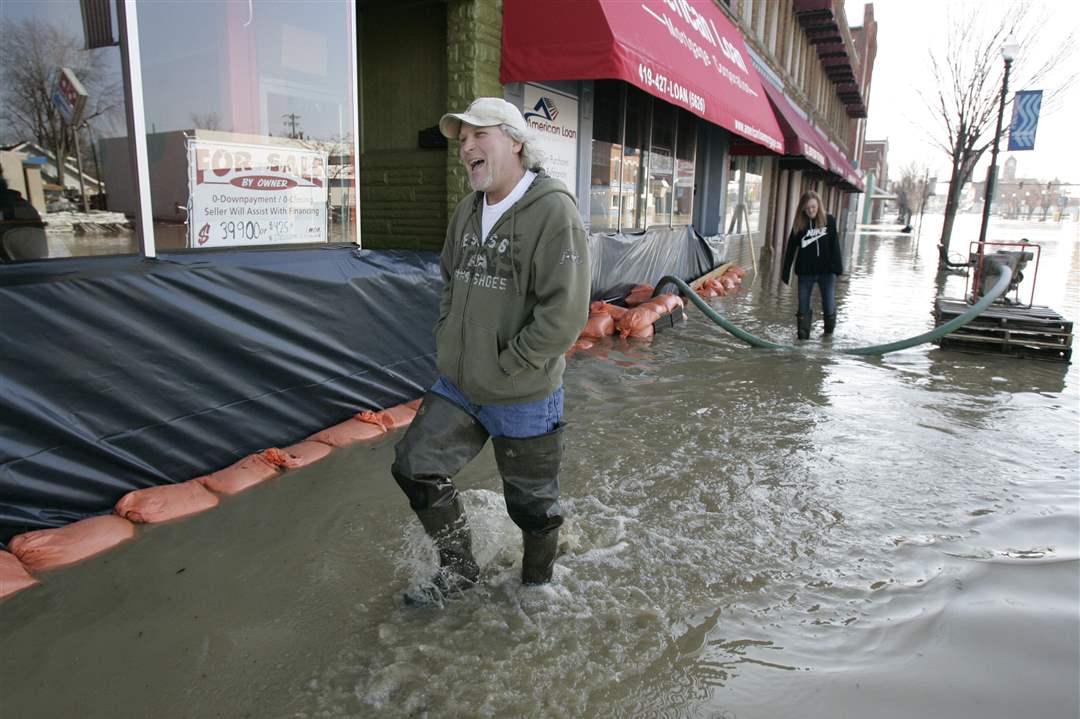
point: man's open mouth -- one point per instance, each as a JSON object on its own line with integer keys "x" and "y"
{"x": 475, "y": 164}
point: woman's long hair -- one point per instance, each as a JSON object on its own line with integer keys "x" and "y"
{"x": 801, "y": 220}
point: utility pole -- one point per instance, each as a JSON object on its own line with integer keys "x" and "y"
{"x": 290, "y": 122}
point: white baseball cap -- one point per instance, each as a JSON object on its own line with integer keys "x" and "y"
{"x": 483, "y": 112}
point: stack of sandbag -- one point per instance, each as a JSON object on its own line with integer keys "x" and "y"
{"x": 637, "y": 322}
{"x": 724, "y": 284}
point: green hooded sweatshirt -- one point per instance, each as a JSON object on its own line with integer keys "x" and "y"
{"x": 514, "y": 302}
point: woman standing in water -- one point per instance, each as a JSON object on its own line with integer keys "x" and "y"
{"x": 815, "y": 248}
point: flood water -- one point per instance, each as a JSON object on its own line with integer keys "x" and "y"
{"x": 749, "y": 533}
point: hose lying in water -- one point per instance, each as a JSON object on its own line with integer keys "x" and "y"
{"x": 974, "y": 311}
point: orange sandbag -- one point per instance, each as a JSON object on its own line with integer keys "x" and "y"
{"x": 414, "y": 404}
{"x": 659, "y": 307}
{"x": 639, "y": 294}
{"x": 600, "y": 324}
{"x": 714, "y": 284}
{"x": 48, "y": 548}
{"x": 304, "y": 453}
{"x": 389, "y": 419}
{"x": 644, "y": 333}
{"x": 168, "y": 501}
{"x": 637, "y": 319}
{"x": 727, "y": 282}
{"x": 706, "y": 292}
{"x": 13, "y": 575}
{"x": 279, "y": 458}
{"x": 349, "y": 431}
{"x": 736, "y": 270}
{"x": 669, "y": 302}
{"x": 248, "y": 472}
{"x": 609, "y": 309}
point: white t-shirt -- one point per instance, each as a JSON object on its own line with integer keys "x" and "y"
{"x": 492, "y": 213}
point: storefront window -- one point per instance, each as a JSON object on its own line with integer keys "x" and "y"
{"x": 638, "y": 107}
{"x": 606, "y": 156}
{"x": 249, "y": 112}
{"x": 661, "y": 166}
{"x": 59, "y": 103}
{"x": 685, "y": 163}
{"x": 649, "y": 180}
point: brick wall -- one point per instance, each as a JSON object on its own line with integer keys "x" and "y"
{"x": 473, "y": 51}
{"x": 403, "y": 199}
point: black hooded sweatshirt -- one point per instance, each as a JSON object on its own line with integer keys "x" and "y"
{"x": 815, "y": 252}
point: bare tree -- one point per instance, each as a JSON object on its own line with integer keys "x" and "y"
{"x": 969, "y": 79}
{"x": 206, "y": 121}
{"x": 31, "y": 53}
{"x": 910, "y": 191}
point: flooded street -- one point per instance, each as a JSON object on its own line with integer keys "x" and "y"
{"x": 750, "y": 533}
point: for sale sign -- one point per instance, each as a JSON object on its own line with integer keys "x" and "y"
{"x": 244, "y": 194}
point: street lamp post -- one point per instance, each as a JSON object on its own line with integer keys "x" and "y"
{"x": 1008, "y": 54}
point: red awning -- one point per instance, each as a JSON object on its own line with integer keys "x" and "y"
{"x": 841, "y": 166}
{"x": 800, "y": 138}
{"x": 685, "y": 52}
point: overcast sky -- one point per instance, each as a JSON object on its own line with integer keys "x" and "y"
{"x": 907, "y": 29}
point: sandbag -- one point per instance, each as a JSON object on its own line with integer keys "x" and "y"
{"x": 736, "y": 270}
{"x": 669, "y": 302}
{"x": 716, "y": 286}
{"x": 13, "y": 575}
{"x": 248, "y": 472}
{"x": 644, "y": 333}
{"x": 279, "y": 458}
{"x": 637, "y": 319}
{"x": 639, "y": 294}
{"x": 304, "y": 453}
{"x": 414, "y": 404}
{"x": 165, "y": 502}
{"x": 600, "y": 324}
{"x": 609, "y": 309}
{"x": 48, "y": 548}
{"x": 389, "y": 419}
{"x": 349, "y": 431}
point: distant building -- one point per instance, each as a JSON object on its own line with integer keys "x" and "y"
{"x": 1023, "y": 197}
{"x": 875, "y": 162}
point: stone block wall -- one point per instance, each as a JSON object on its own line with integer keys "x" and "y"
{"x": 403, "y": 199}
{"x": 473, "y": 52}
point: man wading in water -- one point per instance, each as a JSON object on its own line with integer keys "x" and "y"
{"x": 515, "y": 298}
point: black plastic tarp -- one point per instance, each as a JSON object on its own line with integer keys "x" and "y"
{"x": 118, "y": 373}
{"x": 620, "y": 261}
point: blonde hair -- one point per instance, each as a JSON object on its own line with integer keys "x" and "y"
{"x": 802, "y": 221}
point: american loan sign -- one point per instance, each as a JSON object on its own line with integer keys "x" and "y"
{"x": 255, "y": 194}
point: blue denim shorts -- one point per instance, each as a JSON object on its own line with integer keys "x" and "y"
{"x": 528, "y": 419}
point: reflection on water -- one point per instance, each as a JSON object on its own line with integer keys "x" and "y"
{"x": 750, "y": 534}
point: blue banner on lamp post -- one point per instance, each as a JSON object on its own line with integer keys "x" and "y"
{"x": 1025, "y": 120}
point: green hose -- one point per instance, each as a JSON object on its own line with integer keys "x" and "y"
{"x": 974, "y": 311}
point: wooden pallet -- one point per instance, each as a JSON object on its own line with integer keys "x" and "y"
{"x": 1018, "y": 316}
{"x": 1037, "y": 332}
